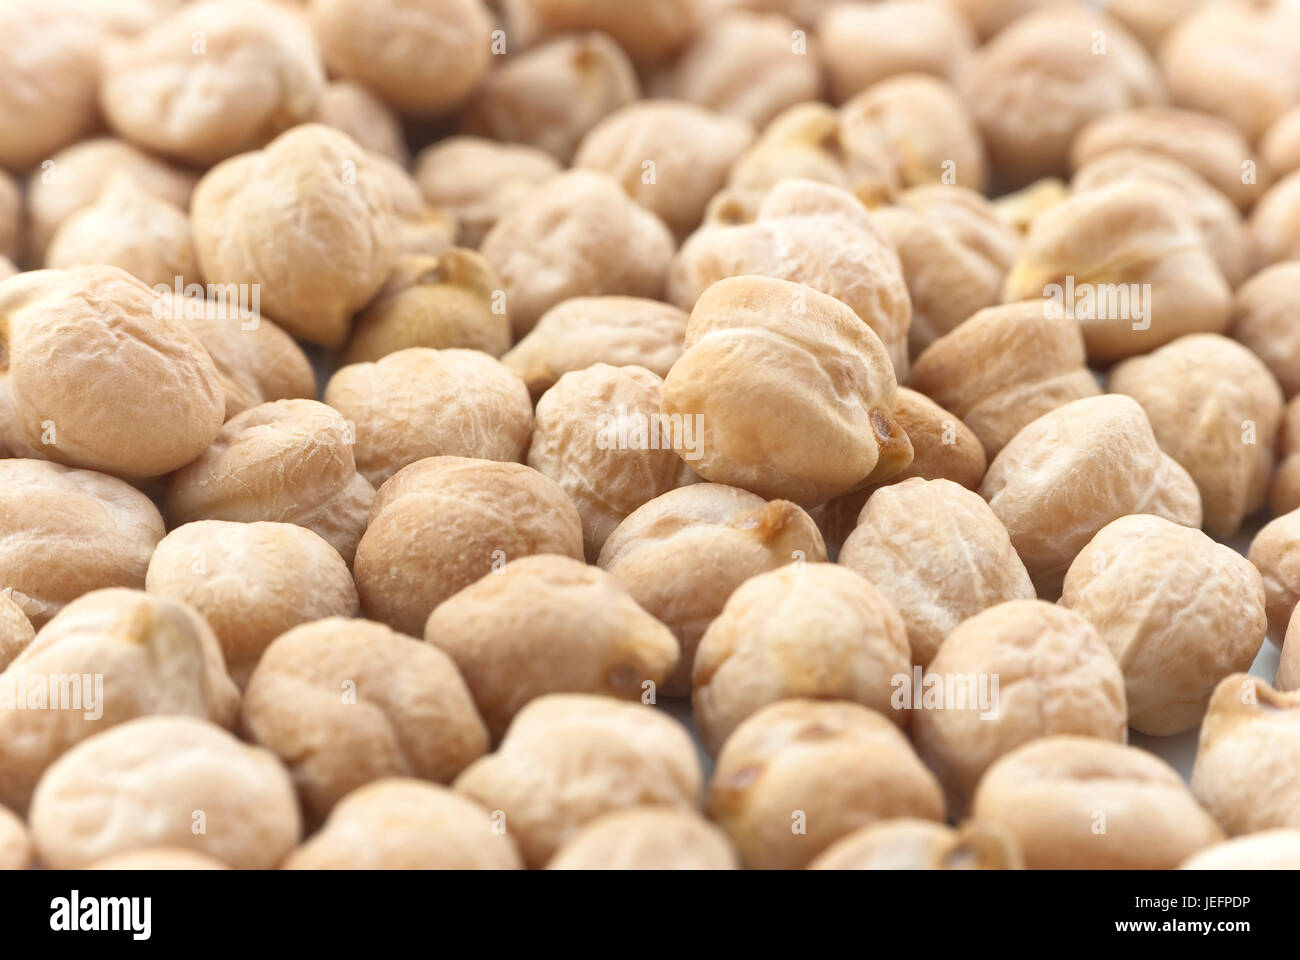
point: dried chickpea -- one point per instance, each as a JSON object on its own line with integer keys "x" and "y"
{"x": 1285, "y": 494}
{"x": 364, "y": 117}
{"x": 649, "y": 30}
{"x": 569, "y": 758}
{"x": 287, "y": 461}
{"x": 684, "y": 553}
{"x": 1263, "y": 318}
{"x": 549, "y": 624}
{"x": 1036, "y": 84}
{"x": 16, "y": 631}
{"x": 11, "y": 218}
{"x": 818, "y": 631}
{"x": 583, "y": 331}
{"x": 1275, "y": 222}
{"x": 1288, "y": 665}
{"x": 670, "y": 156}
{"x": 550, "y": 96}
{"x": 580, "y": 236}
{"x": 909, "y": 844}
{"x": 158, "y": 858}
{"x": 1247, "y": 771}
{"x": 1074, "y": 470}
{"x": 1275, "y": 554}
{"x": 251, "y": 582}
{"x": 421, "y": 228}
{"x": 1215, "y": 408}
{"x": 345, "y": 702}
{"x": 1082, "y": 803}
{"x": 1280, "y": 147}
{"x": 1266, "y": 850}
{"x": 15, "y": 844}
{"x": 439, "y": 524}
{"x": 402, "y": 824}
{"x": 478, "y": 181}
{"x": 322, "y": 250}
{"x": 1150, "y": 21}
{"x": 647, "y": 838}
{"x": 598, "y": 436}
{"x": 863, "y": 44}
{"x": 1003, "y": 368}
{"x": 212, "y": 79}
{"x": 1131, "y": 238}
{"x": 147, "y": 656}
{"x": 988, "y": 17}
{"x": 142, "y": 783}
{"x": 419, "y": 403}
{"x": 1021, "y": 208}
{"x": 828, "y": 767}
{"x": 422, "y": 57}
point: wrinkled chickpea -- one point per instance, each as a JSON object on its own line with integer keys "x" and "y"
{"x": 364, "y": 117}
{"x": 909, "y": 844}
{"x": 1263, "y": 318}
{"x": 16, "y": 631}
{"x": 1288, "y": 664}
{"x": 647, "y": 838}
{"x": 1275, "y": 222}
{"x": 1274, "y": 552}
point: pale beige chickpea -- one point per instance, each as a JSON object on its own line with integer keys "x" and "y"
{"x": 439, "y": 524}
{"x": 421, "y": 228}
{"x": 863, "y": 44}
{"x": 684, "y": 553}
{"x": 15, "y": 844}
{"x": 1137, "y": 264}
{"x": 807, "y": 630}
{"x": 419, "y": 403}
{"x": 322, "y": 250}
{"x": 257, "y": 65}
{"x": 1275, "y": 552}
{"x": 73, "y": 179}
{"x": 800, "y": 774}
{"x": 1215, "y": 408}
{"x": 158, "y": 858}
{"x": 147, "y": 656}
{"x": 1288, "y": 665}
{"x": 989, "y": 17}
{"x": 12, "y": 217}
{"x": 583, "y": 331}
{"x": 1083, "y": 803}
{"x": 570, "y": 758}
{"x": 404, "y": 824}
{"x": 647, "y": 838}
{"x": 1266, "y": 850}
{"x": 550, "y": 96}
{"x": 251, "y": 582}
{"x": 809, "y": 233}
{"x": 1040, "y": 81}
{"x": 16, "y": 631}
{"x": 1275, "y": 222}
{"x": 1150, "y": 21}
{"x": 137, "y": 398}
{"x": 478, "y": 181}
{"x": 1280, "y": 147}
{"x": 670, "y": 156}
{"x": 789, "y": 394}
{"x": 940, "y": 553}
{"x": 580, "y": 236}
{"x": 346, "y": 702}
{"x": 1247, "y": 771}
{"x": 1020, "y": 208}
{"x": 423, "y": 57}
{"x": 67, "y": 532}
{"x": 1264, "y": 309}
{"x": 1003, "y": 368}
{"x": 549, "y": 624}
{"x": 747, "y": 65}
{"x": 364, "y": 117}
{"x": 1284, "y": 495}
{"x": 909, "y": 844}
{"x": 649, "y": 30}
{"x": 286, "y": 461}
{"x": 1074, "y": 470}
{"x": 147, "y": 782}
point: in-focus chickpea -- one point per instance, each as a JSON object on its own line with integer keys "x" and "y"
{"x": 1280, "y": 147}
{"x": 364, "y": 117}
{"x": 649, "y": 30}
{"x": 402, "y": 824}
{"x": 1074, "y": 470}
{"x": 141, "y": 784}
{"x": 569, "y": 758}
{"x": 158, "y": 858}
{"x": 16, "y": 631}
{"x": 909, "y": 844}
{"x": 1275, "y": 222}
{"x": 15, "y": 844}
{"x": 1082, "y": 803}
{"x": 1263, "y": 318}
{"x": 251, "y": 582}
{"x": 829, "y": 767}
{"x": 439, "y": 524}
{"x": 1285, "y": 494}
{"x": 1275, "y": 552}
{"x": 1266, "y": 850}
{"x": 647, "y": 838}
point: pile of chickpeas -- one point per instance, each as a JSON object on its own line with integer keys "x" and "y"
{"x": 592, "y": 434}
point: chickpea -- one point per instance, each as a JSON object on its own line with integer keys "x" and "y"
{"x": 649, "y": 30}
{"x": 647, "y": 838}
{"x": 1262, "y": 318}
{"x": 988, "y": 17}
{"x": 1285, "y": 494}
{"x": 1275, "y": 222}
{"x": 1151, "y": 21}
{"x": 1022, "y": 207}
{"x": 1275, "y": 556}
{"x": 158, "y": 858}
{"x": 1288, "y": 666}
{"x": 11, "y": 218}
{"x": 353, "y": 109}
{"x": 421, "y": 229}
{"x": 1266, "y": 850}
{"x": 1280, "y": 147}
{"x": 910, "y": 844}
{"x": 15, "y": 844}
{"x": 16, "y": 631}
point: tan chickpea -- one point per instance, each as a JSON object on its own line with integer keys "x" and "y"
{"x": 649, "y": 30}
{"x": 1263, "y": 311}
{"x": 1275, "y": 222}
{"x": 1179, "y": 612}
{"x": 583, "y": 331}
{"x": 1074, "y": 470}
{"x": 345, "y": 702}
{"x": 158, "y": 858}
{"x": 478, "y": 181}
{"x": 826, "y": 767}
{"x": 402, "y": 824}
{"x": 1288, "y": 665}
{"x": 647, "y": 838}
{"x": 321, "y": 253}
{"x": 1022, "y": 207}
{"x": 570, "y": 758}
{"x": 1275, "y": 555}
{"x": 257, "y": 65}
{"x": 288, "y": 461}
{"x": 1285, "y": 493}
{"x": 1082, "y": 803}
{"x": 550, "y": 96}
{"x": 364, "y": 117}
{"x": 440, "y": 524}
{"x": 1266, "y": 850}
{"x": 142, "y": 783}
{"x": 16, "y": 631}
{"x": 148, "y": 655}
{"x": 1280, "y": 147}
{"x": 549, "y": 624}
{"x": 1005, "y": 367}
{"x": 443, "y": 54}
{"x": 1247, "y": 771}
{"x": 251, "y": 582}
{"x": 581, "y": 236}
{"x": 909, "y": 844}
